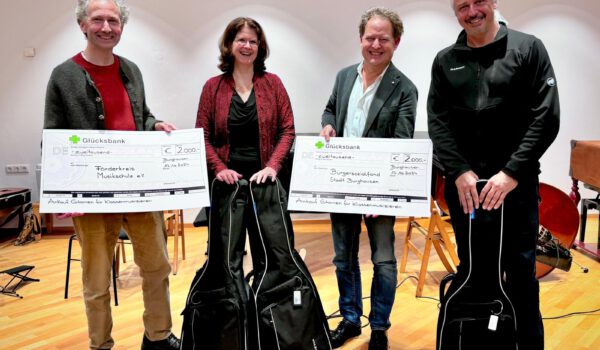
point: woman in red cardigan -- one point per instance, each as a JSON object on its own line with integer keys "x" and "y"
{"x": 248, "y": 132}
{"x": 245, "y": 112}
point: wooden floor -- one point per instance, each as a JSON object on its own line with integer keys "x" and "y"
{"x": 44, "y": 320}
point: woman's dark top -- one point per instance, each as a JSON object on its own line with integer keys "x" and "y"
{"x": 243, "y": 129}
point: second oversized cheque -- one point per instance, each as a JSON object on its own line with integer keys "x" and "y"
{"x": 362, "y": 176}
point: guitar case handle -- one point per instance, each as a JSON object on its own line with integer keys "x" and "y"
{"x": 449, "y": 277}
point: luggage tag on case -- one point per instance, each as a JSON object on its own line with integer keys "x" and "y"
{"x": 297, "y": 298}
{"x": 493, "y": 324}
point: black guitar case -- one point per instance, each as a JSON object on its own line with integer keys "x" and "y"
{"x": 281, "y": 309}
{"x": 215, "y": 315}
{"x": 476, "y": 312}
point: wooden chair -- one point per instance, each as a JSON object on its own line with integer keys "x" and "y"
{"x": 123, "y": 238}
{"x": 174, "y": 224}
{"x": 437, "y": 235}
{"x": 175, "y": 228}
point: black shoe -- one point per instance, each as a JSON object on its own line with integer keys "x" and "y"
{"x": 170, "y": 343}
{"x": 344, "y": 331}
{"x": 379, "y": 340}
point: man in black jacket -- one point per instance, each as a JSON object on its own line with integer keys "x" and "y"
{"x": 493, "y": 111}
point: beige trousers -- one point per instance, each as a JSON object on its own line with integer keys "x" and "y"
{"x": 98, "y": 235}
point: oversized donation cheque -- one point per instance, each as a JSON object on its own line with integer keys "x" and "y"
{"x": 100, "y": 171}
{"x": 362, "y": 176}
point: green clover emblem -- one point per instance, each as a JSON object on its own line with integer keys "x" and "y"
{"x": 74, "y": 139}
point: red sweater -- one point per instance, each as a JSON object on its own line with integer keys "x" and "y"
{"x": 275, "y": 120}
{"x": 117, "y": 106}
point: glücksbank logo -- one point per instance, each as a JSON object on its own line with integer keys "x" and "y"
{"x": 74, "y": 139}
{"x": 319, "y": 144}
{"x": 94, "y": 140}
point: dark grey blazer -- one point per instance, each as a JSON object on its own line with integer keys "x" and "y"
{"x": 393, "y": 110}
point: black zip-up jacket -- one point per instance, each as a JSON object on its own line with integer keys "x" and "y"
{"x": 493, "y": 108}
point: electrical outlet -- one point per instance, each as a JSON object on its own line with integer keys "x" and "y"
{"x": 11, "y": 168}
{"x": 29, "y": 52}
{"x": 17, "y": 168}
{"x": 23, "y": 168}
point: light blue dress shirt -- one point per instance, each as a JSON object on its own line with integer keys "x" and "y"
{"x": 359, "y": 104}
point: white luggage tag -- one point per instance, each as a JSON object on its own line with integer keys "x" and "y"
{"x": 297, "y": 298}
{"x": 298, "y": 293}
{"x": 493, "y": 324}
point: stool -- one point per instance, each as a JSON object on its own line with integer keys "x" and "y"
{"x": 15, "y": 272}
{"x": 175, "y": 227}
{"x": 69, "y": 259}
{"x": 593, "y": 204}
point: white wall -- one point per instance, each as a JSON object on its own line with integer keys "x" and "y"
{"x": 175, "y": 44}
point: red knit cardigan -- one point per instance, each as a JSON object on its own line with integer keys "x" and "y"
{"x": 275, "y": 120}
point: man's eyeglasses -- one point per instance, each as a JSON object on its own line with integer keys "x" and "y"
{"x": 244, "y": 42}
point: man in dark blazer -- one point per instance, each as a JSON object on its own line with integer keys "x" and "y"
{"x": 369, "y": 99}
